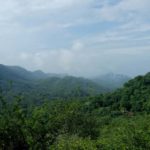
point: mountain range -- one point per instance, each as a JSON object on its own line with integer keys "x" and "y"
{"x": 38, "y": 85}
{"x": 106, "y": 120}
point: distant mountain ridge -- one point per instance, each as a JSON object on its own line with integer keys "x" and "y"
{"x": 19, "y": 73}
{"x": 111, "y": 81}
{"x": 38, "y": 85}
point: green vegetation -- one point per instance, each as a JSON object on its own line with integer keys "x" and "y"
{"x": 112, "y": 121}
{"x": 37, "y": 86}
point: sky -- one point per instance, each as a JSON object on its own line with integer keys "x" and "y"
{"x": 77, "y": 37}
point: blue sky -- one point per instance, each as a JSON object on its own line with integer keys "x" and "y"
{"x": 78, "y": 37}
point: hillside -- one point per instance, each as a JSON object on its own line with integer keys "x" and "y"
{"x": 133, "y": 97}
{"x": 36, "y": 86}
{"x": 69, "y": 86}
{"x": 17, "y": 73}
{"x": 113, "y": 121}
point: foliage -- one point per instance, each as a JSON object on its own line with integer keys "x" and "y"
{"x": 73, "y": 143}
{"x": 112, "y": 121}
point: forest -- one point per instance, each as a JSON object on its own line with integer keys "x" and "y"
{"x": 110, "y": 120}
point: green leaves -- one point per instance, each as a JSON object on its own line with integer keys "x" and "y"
{"x": 73, "y": 142}
{"x": 113, "y": 121}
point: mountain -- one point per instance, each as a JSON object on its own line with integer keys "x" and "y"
{"x": 13, "y": 73}
{"x": 71, "y": 86}
{"x": 18, "y": 74}
{"x": 38, "y": 85}
{"x": 111, "y": 81}
{"x": 134, "y": 96}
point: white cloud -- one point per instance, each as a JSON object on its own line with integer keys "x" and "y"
{"x": 82, "y": 61}
{"x": 75, "y": 36}
{"x": 125, "y": 10}
{"x": 17, "y": 7}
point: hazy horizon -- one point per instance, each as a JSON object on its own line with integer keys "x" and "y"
{"x": 81, "y": 38}
{"x": 74, "y": 75}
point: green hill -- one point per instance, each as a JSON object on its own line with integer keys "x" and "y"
{"x": 134, "y": 96}
{"x": 38, "y": 86}
{"x": 112, "y": 121}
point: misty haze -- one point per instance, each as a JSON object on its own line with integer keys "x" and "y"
{"x": 74, "y": 74}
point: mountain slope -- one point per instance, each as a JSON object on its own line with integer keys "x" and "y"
{"x": 133, "y": 97}
{"x": 70, "y": 86}
{"x": 20, "y": 74}
{"x": 38, "y": 86}
{"x": 11, "y": 73}
{"x": 118, "y": 120}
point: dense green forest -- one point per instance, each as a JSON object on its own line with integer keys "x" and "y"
{"x": 110, "y": 121}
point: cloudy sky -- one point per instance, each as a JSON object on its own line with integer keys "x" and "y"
{"x": 78, "y": 37}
